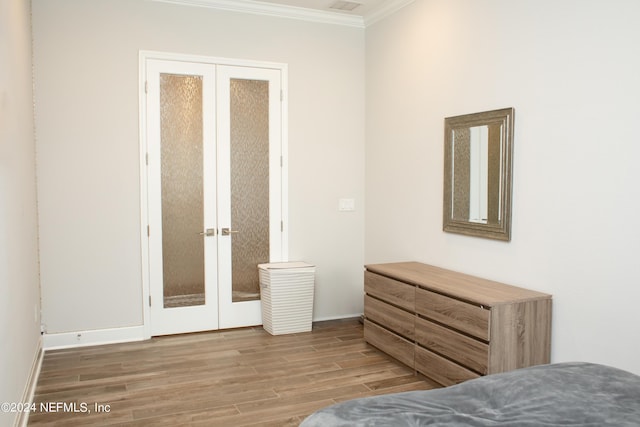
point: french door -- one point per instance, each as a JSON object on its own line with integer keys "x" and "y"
{"x": 214, "y": 191}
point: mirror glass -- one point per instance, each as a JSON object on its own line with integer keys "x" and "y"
{"x": 477, "y": 174}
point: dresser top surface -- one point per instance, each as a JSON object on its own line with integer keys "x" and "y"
{"x": 448, "y": 282}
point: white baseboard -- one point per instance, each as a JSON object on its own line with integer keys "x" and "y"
{"x": 120, "y": 335}
{"x": 30, "y": 389}
{"x": 92, "y": 337}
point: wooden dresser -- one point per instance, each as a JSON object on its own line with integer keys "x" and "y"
{"x": 451, "y": 326}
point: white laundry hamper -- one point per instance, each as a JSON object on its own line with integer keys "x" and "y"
{"x": 286, "y": 291}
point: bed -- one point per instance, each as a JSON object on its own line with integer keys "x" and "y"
{"x": 562, "y": 394}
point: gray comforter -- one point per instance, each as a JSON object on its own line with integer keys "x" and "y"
{"x": 563, "y": 394}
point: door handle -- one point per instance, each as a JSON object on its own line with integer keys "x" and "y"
{"x": 208, "y": 232}
{"x": 228, "y": 231}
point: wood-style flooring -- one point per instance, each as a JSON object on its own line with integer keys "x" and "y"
{"x": 233, "y": 378}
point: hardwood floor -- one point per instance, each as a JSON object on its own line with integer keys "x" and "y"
{"x": 234, "y": 378}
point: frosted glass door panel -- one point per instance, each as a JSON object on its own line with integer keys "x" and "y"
{"x": 249, "y": 155}
{"x": 181, "y": 141}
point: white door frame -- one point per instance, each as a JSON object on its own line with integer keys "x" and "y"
{"x": 144, "y": 201}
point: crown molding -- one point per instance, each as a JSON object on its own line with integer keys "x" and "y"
{"x": 294, "y": 12}
{"x": 388, "y": 8}
{"x": 270, "y": 9}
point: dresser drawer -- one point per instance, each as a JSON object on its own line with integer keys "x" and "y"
{"x": 391, "y": 317}
{"x": 388, "y": 342}
{"x": 440, "y": 369}
{"x": 467, "y": 351}
{"x": 393, "y": 291}
{"x": 458, "y": 314}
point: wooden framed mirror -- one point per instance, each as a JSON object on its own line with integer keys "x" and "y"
{"x": 478, "y": 151}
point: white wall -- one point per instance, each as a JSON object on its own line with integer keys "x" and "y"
{"x": 567, "y": 68}
{"x": 86, "y": 94}
{"x": 19, "y": 288}
{"x": 570, "y": 71}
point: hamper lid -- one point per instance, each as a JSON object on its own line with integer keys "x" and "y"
{"x": 279, "y": 265}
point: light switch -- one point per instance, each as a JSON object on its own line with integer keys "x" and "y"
{"x": 346, "y": 205}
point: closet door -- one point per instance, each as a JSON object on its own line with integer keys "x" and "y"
{"x": 250, "y": 182}
{"x": 182, "y": 193}
{"x": 214, "y": 191}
